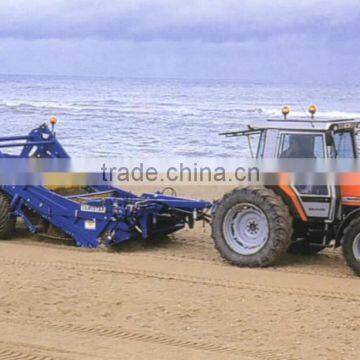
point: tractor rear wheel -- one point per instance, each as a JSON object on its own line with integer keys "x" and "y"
{"x": 7, "y": 221}
{"x": 252, "y": 226}
{"x": 351, "y": 245}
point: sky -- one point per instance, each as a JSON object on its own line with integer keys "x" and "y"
{"x": 247, "y": 40}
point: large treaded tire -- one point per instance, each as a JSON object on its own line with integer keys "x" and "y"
{"x": 347, "y": 241}
{"x": 7, "y": 221}
{"x": 279, "y": 226}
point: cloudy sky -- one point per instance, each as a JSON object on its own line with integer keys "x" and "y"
{"x": 250, "y": 40}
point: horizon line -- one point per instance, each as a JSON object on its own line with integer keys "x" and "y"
{"x": 119, "y": 77}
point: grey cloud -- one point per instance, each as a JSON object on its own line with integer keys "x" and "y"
{"x": 207, "y": 21}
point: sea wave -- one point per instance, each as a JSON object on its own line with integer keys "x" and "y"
{"x": 29, "y": 105}
{"x": 142, "y": 118}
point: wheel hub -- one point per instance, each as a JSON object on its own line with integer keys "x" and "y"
{"x": 252, "y": 227}
{"x": 246, "y": 228}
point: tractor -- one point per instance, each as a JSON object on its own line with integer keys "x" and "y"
{"x": 254, "y": 225}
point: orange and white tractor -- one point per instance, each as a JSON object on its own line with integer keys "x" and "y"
{"x": 255, "y": 225}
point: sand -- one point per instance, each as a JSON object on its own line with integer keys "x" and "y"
{"x": 172, "y": 299}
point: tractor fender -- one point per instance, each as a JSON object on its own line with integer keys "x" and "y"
{"x": 345, "y": 222}
{"x": 291, "y": 200}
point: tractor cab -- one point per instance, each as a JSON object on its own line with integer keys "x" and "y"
{"x": 301, "y": 138}
{"x": 320, "y": 212}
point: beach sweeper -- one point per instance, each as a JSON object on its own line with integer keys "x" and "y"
{"x": 102, "y": 214}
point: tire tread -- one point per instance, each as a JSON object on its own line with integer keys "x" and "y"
{"x": 7, "y": 221}
{"x": 348, "y": 236}
{"x": 276, "y": 211}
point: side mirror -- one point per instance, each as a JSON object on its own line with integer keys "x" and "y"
{"x": 329, "y": 138}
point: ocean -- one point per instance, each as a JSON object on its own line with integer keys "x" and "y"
{"x": 138, "y": 118}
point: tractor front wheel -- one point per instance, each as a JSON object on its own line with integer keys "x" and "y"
{"x": 351, "y": 245}
{"x": 7, "y": 221}
{"x": 252, "y": 227}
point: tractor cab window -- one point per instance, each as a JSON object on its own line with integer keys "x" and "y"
{"x": 256, "y": 142}
{"x": 357, "y": 143}
{"x": 301, "y": 146}
{"x": 253, "y": 141}
{"x": 261, "y": 146}
{"x": 343, "y": 143}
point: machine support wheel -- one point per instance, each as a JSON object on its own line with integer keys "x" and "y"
{"x": 351, "y": 245}
{"x": 7, "y": 221}
{"x": 252, "y": 226}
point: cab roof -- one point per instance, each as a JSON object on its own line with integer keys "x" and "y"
{"x": 299, "y": 124}
{"x": 305, "y": 123}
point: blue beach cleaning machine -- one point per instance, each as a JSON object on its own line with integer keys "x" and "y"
{"x": 102, "y": 215}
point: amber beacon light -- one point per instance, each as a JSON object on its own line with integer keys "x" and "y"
{"x": 312, "y": 110}
{"x": 285, "y": 111}
{"x": 53, "y": 120}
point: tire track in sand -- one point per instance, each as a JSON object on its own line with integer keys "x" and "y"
{"x": 23, "y": 352}
{"x": 161, "y": 254}
{"x": 120, "y": 333}
{"x": 192, "y": 279}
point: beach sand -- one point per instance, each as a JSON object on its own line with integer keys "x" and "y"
{"x": 173, "y": 298}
